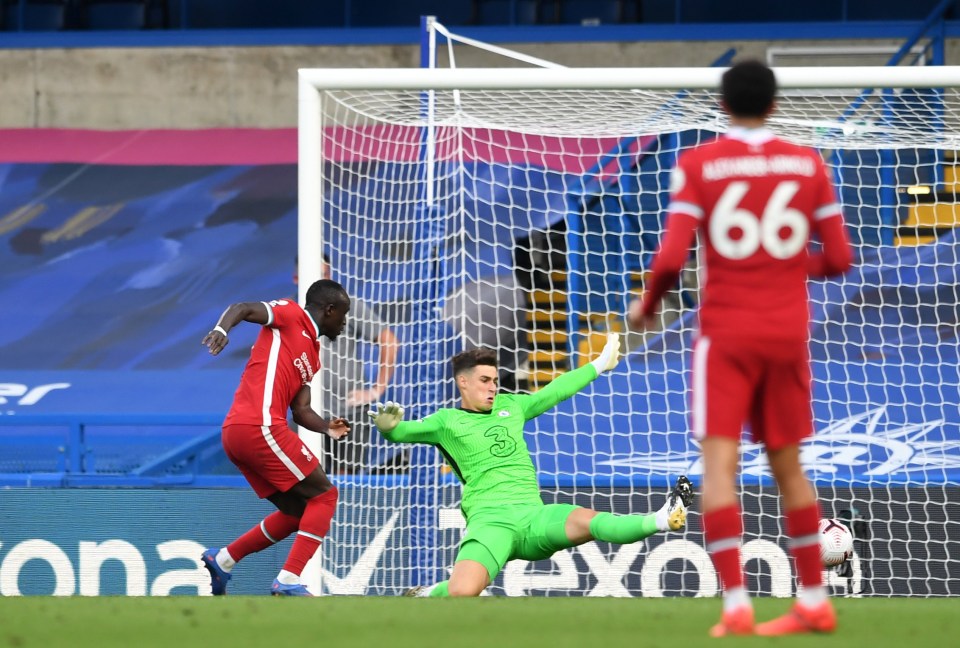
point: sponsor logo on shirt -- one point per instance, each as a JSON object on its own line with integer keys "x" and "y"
{"x": 503, "y": 413}
{"x": 306, "y": 370}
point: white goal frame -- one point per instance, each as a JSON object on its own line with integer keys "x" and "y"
{"x": 421, "y": 83}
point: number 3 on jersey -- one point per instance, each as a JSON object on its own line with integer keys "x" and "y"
{"x": 503, "y": 445}
{"x": 765, "y": 231}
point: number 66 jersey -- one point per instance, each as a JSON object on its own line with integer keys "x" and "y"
{"x": 756, "y": 201}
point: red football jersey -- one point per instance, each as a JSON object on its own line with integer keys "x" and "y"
{"x": 284, "y": 358}
{"x": 756, "y": 201}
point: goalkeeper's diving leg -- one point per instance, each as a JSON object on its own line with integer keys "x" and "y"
{"x": 584, "y": 525}
{"x": 556, "y": 527}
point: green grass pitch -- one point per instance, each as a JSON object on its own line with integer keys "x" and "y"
{"x": 349, "y": 622}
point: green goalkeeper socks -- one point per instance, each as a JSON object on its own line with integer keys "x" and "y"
{"x": 440, "y": 590}
{"x": 622, "y": 529}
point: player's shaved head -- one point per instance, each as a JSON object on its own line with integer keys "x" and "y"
{"x": 748, "y": 89}
{"x": 467, "y": 360}
{"x": 326, "y": 291}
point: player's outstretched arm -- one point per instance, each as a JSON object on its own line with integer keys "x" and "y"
{"x": 305, "y": 416}
{"x": 388, "y": 417}
{"x": 216, "y": 340}
{"x": 571, "y": 382}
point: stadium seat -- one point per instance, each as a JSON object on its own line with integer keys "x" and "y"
{"x": 589, "y": 12}
{"x": 158, "y": 14}
{"x": 35, "y": 15}
{"x": 505, "y": 12}
{"x": 114, "y": 14}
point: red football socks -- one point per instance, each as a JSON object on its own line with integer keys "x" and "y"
{"x": 802, "y": 527}
{"x": 274, "y": 528}
{"x": 313, "y": 527}
{"x": 723, "y": 531}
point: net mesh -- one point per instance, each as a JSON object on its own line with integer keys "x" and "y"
{"x": 857, "y": 118}
{"x": 527, "y": 220}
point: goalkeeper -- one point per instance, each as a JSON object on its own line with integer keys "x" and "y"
{"x": 483, "y": 442}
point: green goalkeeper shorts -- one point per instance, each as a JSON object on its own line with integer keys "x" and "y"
{"x": 495, "y": 536}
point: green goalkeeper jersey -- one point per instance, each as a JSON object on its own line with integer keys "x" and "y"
{"x": 486, "y": 450}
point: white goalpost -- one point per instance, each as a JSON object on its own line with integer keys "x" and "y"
{"x": 520, "y": 208}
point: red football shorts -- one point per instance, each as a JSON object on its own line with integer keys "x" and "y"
{"x": 763, "y": 383}
{"x": 271, "y": 458}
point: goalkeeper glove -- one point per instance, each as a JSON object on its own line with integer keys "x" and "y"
{"x": 386, "y": 416}
{"x": 610, "y": 355}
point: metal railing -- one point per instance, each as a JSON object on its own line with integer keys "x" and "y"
{"x": 181, "y": 465}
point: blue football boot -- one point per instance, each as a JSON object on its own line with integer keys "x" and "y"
{"x": 218, "y": 576}
{"x": 279, "y": 589}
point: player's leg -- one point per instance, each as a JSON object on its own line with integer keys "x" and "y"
{"x": 220, "y": 561}
{"x": 469, "y": 577}
{"x": 290, "y": 476}
{"x": 584, "y": 525}
{"x": 812, "y": 611}
{"x": 723, "y": 384}
{"x": 783, "y": 414}
{"x": 723, "y": 531}
{"x": 319, "y": 498}
{"x": 484, "y": 551}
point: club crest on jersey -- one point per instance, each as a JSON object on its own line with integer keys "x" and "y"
{"x": 503, "y": 413}
{"x": 306, "y": 453}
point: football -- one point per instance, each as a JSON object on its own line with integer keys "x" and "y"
{"x": 836, "y": 542}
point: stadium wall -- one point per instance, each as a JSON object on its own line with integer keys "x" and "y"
{"x": 148, "y": 542}
{"x": 133, "y": 87}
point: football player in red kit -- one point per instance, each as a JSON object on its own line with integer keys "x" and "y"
{"x": 258, "y": 440}
{"x": 756, "y": 201}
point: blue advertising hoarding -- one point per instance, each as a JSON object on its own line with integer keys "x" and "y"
{"x": 148, "y": 542}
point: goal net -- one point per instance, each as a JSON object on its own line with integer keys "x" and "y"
{"x": 519, "y": 209}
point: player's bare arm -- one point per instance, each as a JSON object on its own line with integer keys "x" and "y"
{"x": 670, "y": 259}
{"x": 388, "y": 345}
{"x": 254, "y": 312}
{"x": 305, "y": 416}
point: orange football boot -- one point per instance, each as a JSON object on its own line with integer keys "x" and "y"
{"x": 800, "y": 619}
{"x": 738, "y": 621}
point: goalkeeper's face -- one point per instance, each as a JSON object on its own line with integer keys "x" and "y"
{"x": 478, "y": 387}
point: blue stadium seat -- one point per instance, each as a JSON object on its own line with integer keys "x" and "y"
{"x": 35, "y": 15}
{"x": 158, "y": 14}
{"x": 765, "y": 11}
{"x": 892, "y": 10}
{"x": 591, "y": 11}
{"x": 505, "y": 12}
{"x": 114, "y": 14}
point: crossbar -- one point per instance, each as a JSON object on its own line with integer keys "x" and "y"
{"x": 619, "y": 78}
